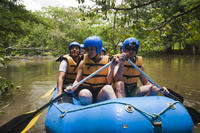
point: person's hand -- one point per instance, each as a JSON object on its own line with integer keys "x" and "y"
{"x": 115, "y": 60}
{"x": 122, "y": 57}
{"x": 68, "y": 89}
{"x": 164, "y": 90}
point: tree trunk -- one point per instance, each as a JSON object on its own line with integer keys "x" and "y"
{"x": 193, "y": 49}
{"x": 199, "y": 48}
{"x": 113, "y": 32}
{"x": 179, "y": 45}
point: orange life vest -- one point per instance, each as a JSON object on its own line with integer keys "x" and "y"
{"x": 130, "y": 74}
{"x": 89, "y": 66}
{"x": 71, "y": 69}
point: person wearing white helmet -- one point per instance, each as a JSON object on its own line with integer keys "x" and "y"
{"x": 67, "y": 68}
{"x": 127, "y": 76}
{"x": 96, "y": 88}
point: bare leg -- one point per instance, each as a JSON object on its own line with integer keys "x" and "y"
{"x": 119, "y": 89}
{"x": 85, "y": 97}
{"x": 147, "y": 90}
{"x": 106, "y": 93}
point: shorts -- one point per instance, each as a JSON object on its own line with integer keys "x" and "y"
{"x": 131, "y": 91}
{"x": 94, "y": 92}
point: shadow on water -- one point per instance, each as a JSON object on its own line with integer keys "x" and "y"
{"x": 36, "y": 77}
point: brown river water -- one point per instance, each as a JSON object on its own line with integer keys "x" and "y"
{"x": 36, "y": 77}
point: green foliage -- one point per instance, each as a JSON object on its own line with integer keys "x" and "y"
{"x": 157, "y": 25}
{"x": 5, "y": 85}
{"x": 50, "y": 31}
{"x": 161, "y": 26}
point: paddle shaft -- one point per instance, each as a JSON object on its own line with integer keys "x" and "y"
{"x": 164, "y": 93}
{"x": 74, "y": 86}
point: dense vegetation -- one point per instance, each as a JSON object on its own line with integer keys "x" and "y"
{"x": 160, "y": 25}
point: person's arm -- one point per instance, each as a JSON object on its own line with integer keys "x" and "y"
{"x": 61, "y": 76}
{"x": 118, "y": 72}
{"x": 112, "y": 70}
{"x": 60, "y": 80}
{"x": 143, "y": 79}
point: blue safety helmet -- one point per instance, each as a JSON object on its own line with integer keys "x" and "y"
{"x": 94, "y": 41}
{"x": 75, "y": 44}
{"x": 82, "y": 46}
{"x": 104, "y": 50}
{"x": 133, "y": 42}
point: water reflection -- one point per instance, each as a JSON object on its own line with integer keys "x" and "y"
{"x": 178, "y": 73}
{"x": 36, "y": 77}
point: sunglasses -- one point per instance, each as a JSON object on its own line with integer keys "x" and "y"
{"x": 132, "y": 47}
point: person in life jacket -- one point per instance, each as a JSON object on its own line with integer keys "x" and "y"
{"x": 103, "y": 51}
{"x": 127, "y": 76}
{"x": 96, "y": 88}
{"x": 67, "y": 68}
{"x": 82, "y": 49}
{"x": 120, "y": 47}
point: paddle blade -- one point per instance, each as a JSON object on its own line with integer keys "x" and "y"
{"x": 48, "y": 94}
{"x": 175, "y": 95}
{"x": 19, "y": 123}
{"x": 194, "y": 114}
{"x": 32, "y": 123}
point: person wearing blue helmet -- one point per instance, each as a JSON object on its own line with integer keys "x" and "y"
{"x": 127, "y": 76}
{"x": 67, "y": 68}
{"x": 96, "y": 88}
{"x": 120, "y": 45}
{"x": 82, "y": 49}
{"x": 103, "y": 51}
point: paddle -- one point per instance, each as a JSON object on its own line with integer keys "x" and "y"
{"x": 48, "y": 94}
{"x": 24, "y": 122}
{"x": 172, "y": 94}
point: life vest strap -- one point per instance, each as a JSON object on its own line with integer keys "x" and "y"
{"x": 72, "y": 65}
{"x": 129, "y": 66}
{"x": 95, "y": 84}
{"x": 95, "y": 75}
{"x": 71, "y": 73}
{"x": 131, "y": 76}
{"x": 92, "y": 64}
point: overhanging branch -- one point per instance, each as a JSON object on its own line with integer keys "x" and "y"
{"x": 175, "y": 17}
{"x": 134, "y": 7}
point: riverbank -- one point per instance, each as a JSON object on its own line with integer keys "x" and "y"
{"x": 23, "y": 57}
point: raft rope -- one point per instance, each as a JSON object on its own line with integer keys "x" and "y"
{"x": 153, "y": 116}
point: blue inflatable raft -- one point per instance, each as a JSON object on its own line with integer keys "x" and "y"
{"x": 135, "y": 114}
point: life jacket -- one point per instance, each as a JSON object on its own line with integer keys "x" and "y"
{"x": 89, "y": 66}
{"x": 131, "y": 74}
{"x": 71, "y": 69}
